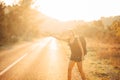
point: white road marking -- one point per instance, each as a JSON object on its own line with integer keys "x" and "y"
{"x": 14, "y": 63}
{"x": 18, "y": 60}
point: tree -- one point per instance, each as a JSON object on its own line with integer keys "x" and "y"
{"x": 2, "y": 7}
{"x": 99, "y": 24}
{"x": 115, "y": 27}
{"x": 26, "y": 3}
{"x": 20, "y": 22}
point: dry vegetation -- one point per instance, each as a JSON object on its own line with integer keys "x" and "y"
{"x": 18, "y": 22}
{"x": 22, "y": 23}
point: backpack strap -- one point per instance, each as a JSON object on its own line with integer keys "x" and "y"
{"x": 83, "y": 42}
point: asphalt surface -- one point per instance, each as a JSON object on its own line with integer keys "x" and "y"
{"x": 44, "y": 59}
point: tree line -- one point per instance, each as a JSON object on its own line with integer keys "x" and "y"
{"x": 99, "y": 30}
{"x": 18, "y": 22}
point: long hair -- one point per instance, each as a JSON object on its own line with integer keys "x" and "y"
{"x": 74, "y": 34}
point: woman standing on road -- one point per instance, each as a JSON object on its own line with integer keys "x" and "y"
{"x": 77, "y": 54}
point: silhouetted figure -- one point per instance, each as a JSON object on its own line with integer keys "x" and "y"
{"x": 78, "y": 50}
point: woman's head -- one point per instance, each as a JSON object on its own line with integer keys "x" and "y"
{"x": 72, "y": 34}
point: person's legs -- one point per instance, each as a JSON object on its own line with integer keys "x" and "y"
{"x": 71, "y": 64}
{"x": 79, "y": 64}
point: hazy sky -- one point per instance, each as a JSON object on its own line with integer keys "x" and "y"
{"x": 79, "y": 9}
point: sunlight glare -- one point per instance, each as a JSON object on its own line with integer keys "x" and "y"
{"x": 87, "y": 10}
{"x": 53, "y": 48}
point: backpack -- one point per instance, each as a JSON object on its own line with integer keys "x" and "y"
{"x": 83, "y": 42}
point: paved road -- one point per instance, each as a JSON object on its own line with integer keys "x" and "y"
{"x": 46, "y": 59}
